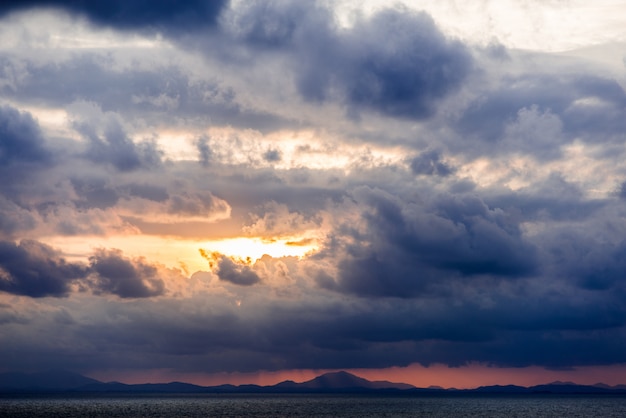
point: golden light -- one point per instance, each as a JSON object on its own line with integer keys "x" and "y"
{"x": 254, "y": 248}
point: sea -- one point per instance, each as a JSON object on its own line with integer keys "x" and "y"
{"x": 310, "y": 405}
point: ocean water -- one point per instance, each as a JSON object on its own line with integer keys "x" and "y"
{"x": 193, "y": 406}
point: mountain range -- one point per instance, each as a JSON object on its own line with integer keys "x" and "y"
{"x": 336, "y": 382}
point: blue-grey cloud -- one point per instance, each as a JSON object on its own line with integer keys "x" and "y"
{"x": 94, "y": 193}
{"x": 34, "y": 269}
{"x": 114, "y": 147}
{"x": 163, "y": 15}
{"x": 37, "y": 270}
{"x": 21, "y": 140}
{"x": 230, "y": 270}
{"x": 538, "y": 113}
{"x": 429, "y": 163}
{"x": 23, "y": 151}
{"x": 397, "y": 62}
{"x": 158, "y": 95}
{"x": 408, "y": 248}
{"x": 124, "y": 277}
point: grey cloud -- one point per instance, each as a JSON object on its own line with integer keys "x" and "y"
{"x": 396, "y": 63}
{"x": 204, "y": 150}
{"x": 14, "y": 217}
{"x": 147, "y": 191}
{"x": 21, "y": 140}
{"x": 124, "y": 277}
{"x": 235, "y": 272}
{"x": 406, "y": 74}
{"x": 116, "y": 148}
{"x": 23, "y": 151}
{"x": 272, "y": 155}
{"x": 34, "y": 269}
{"x": 196, "y": 204}
{"x": 409, "y": 248}
{"x": 429, "y": 163}
{"x": 622, "y": 190}
{"x": 94, "y": 193}
{"x": 276, "y": 24}
{"x": 162, "y": 15}
{"x": 537, "y": 113}
{"x": 210, "y": 333}
{"x": 158, "y": 95}
{"x": 37, "y": 270}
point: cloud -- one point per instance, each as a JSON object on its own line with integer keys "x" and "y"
{"x": 272, "y": 155}
{"x": 23, "y": 151}
{"x": 231, "y": 270}
{"x": 467, "y": 202}
{"x": 37, "y": 270}
{"x": 21, "y": 141}
{"x": 147, "y": 191}
{"x": 537, "y": 113}
{"x": 405, "y": 249}
{"x": 205, "y": 152}
{"x": 277, "y": 220}
{"x": 108, "y": 141}
{"x": 429, "y": 163}
{"x": 405, "y": 75}
{"x": 94, "y": 193}
{"x": 34, "y": 269}
{"x": 124, "y": 277}
{"x": 396, "y": 62}
{"x": 162, "y": 15}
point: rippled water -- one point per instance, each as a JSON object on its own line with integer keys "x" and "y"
{"x": 193, "y": 406}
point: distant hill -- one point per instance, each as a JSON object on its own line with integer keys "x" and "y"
{"x": 50, "y": 380}
{"x": 341, "y": 381}
{"x": 336, "y": 382}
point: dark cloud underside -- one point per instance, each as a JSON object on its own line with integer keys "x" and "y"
{"x": 169, "y": 15}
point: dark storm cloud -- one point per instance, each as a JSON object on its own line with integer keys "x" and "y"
{"x": 409, "y": 248}
{"x": 165, "y": 15}
{"x": 396, "y": 63}
{"x": 124, "y": 277}
{"x": 36, "y": 270}
{"x": 488, "y": 324}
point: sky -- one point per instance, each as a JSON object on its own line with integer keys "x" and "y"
{"x": 431, "y": 192}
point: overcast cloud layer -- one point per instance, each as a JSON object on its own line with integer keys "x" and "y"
{"x": 436, "y": 198}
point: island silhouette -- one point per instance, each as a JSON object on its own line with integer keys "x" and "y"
{"x": 334, "y": 382}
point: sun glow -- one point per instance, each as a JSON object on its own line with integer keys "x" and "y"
{"x": 254, "y": 248}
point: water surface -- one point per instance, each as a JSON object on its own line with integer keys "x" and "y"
{"x": 193, "y": 406}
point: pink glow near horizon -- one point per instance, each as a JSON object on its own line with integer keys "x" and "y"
{"x": 469, "y": 376}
